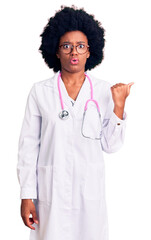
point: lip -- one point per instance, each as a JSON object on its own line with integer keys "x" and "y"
{"x": 74, "y": 61}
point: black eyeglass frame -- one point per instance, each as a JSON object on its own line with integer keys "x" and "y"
{"x": 75, "y": 46}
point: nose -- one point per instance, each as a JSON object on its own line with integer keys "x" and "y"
{"x": 74, "y": 50}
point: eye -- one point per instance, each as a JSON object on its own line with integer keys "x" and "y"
{"x": 81, "y": 46}
{"x": 66, "y": 46}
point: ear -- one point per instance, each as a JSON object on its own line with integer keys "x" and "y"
{"x": 57, "y": 55}
{"x": 88, "y": 54}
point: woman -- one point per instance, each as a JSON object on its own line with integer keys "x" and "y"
{"x": 60, "y": 158}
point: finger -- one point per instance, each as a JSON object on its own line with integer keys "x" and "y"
{"x": 118, "y": 85}
{"x": 129, "y": 87}
{"x": 114, "y": 86}
{"x": 34, "y": 215}
{"x": 31, "y": 220}
{"x": 28, "y": 222}
{"x": 130, "y": 84}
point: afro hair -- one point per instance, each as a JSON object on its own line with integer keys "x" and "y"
{"x": 72, "y": 19}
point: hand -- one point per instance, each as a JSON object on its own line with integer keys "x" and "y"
{"x": 120, "y": 92}
{"x": 27, "y": 208}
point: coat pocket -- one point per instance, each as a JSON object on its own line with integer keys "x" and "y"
{"x": 94, "y": 181}
{"x": 45, "y": 181}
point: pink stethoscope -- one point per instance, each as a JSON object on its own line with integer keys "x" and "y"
{"x": 64, "y": 114}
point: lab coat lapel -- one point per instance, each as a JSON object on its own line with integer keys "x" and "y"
{"x": 83, "y": 95}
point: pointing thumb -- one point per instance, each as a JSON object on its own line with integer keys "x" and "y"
{"x": 130, "y": 84}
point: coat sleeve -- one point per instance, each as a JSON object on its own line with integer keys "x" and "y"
{"x": 28, "y": 148}
{"x": 113, "y": 129}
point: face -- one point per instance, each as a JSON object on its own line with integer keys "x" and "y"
{"x": 75, "y": 38}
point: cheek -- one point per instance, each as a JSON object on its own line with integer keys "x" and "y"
{"x": 63, "y": 60}
{"x": 84, "y": 59}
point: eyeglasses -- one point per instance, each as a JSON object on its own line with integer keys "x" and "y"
{"x": 80, "y": 48}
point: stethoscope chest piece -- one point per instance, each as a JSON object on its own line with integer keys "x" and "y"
{"x": 64, "y": 114}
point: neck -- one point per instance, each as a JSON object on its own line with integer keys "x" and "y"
{"x": 69, "y": 78}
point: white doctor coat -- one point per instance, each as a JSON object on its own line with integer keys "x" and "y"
{"x": 62, "y": 170}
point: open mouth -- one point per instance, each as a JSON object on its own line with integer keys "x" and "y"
{"x": 74, "y": 61}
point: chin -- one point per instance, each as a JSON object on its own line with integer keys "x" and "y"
{"x": 74, "y": 69}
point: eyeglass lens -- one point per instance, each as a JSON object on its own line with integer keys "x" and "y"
{"x": 67, "y": 48}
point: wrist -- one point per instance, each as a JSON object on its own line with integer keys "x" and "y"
{"x": 26, "y": 200}
{"x": 119, "y": 110}
{"x": 119, "y": 105}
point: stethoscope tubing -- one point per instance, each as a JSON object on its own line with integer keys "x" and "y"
{"x": 86, "y": 104}
{"x": 65, "y": 114}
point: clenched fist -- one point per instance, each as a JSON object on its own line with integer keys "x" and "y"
{"x": 120, "y": 92}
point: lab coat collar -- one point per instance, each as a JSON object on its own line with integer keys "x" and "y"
{"x": 50, "y": 81}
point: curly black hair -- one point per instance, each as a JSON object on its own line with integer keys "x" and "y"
{"x": 72, "y": 19}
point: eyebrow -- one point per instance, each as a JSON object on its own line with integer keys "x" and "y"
{"x": 71, "y": 42}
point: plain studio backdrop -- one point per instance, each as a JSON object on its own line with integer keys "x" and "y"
{"x": 126, "y": 59}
